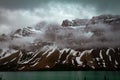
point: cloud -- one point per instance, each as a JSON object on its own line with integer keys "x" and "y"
{"x": 16, "y": 14}
{"x": 53, "y": 13}
{"x": 21, "y": 13}
{"x": 76, "y": 38}
{"x": 22, "y": 4}
{"x": 29, "y": 12}
{"x": 102, "y": 6}
{"x": 17, "y": 17}
{"x": 68, "y": 37}
{"x": 4, "y": 29}
{"x": 12, "y": 20}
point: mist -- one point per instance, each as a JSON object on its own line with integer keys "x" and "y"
{"x": 75, "y": 37}
{"x": 19, "y": 18}
{"x": 78, "y": 37}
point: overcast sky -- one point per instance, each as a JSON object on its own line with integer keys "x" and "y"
{"x": 21, "y": 13}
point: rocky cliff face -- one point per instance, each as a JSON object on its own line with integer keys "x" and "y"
{"x": 80, "y": 44}
{"x": 76, "y": 22}
{"x": 113, "y": 20}
{"x": 65, "y": 59}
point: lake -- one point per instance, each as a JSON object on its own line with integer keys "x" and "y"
{"x": 62, "y": 75}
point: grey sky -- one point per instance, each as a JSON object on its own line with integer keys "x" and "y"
{"x": 100, "y": 5}
{"x": 21, "y": 13}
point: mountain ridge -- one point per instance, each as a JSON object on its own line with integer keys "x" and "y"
{"x": 80, "y": 44}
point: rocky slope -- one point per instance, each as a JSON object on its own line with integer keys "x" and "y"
{"x": 113, "y": 20}
{"x": 66, "y": 59}
{"x": 41, "y": 48}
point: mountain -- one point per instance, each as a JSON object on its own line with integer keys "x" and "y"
{"x": 80, "y": 44}
{"x": 66, "y": 59}
{"x": 76, "y": 22}
{"x": 113, "y": 20}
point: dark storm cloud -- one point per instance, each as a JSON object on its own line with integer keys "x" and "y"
{"x": 102, "y": 6}
{"x": 22, "y": 13}
{"x": 22, "y": 4}
{"x": 105, "y": 6}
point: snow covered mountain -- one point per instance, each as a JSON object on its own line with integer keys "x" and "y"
{"x": 65, "y": 59}
{"x": 80, "y": 44}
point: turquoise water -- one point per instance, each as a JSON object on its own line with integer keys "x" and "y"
{"x": 61, "y": 75}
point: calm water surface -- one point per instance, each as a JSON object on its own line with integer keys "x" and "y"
{"x": 62, "y": 75}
